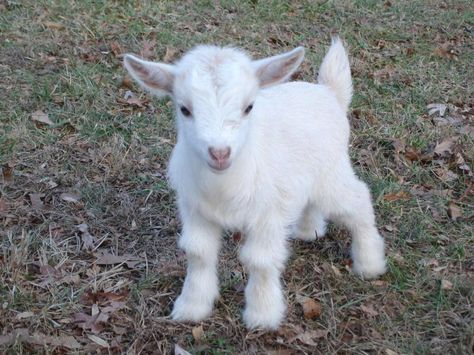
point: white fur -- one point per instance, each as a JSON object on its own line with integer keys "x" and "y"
{"x": 289, "y": 165}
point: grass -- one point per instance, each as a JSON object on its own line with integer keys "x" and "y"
{"x": 64, "y": 58}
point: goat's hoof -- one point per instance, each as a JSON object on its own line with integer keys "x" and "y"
{"x": 264, "y": 320}
{"x": 185, "y": 310}
{"x": 370, "y": 269}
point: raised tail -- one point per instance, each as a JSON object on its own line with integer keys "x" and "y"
{"x": 335, "y": 72}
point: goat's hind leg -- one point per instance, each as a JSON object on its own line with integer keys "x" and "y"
{"x": 348, "y": 202}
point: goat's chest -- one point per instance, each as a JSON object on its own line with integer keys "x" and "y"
{"x": 230, "y": 204}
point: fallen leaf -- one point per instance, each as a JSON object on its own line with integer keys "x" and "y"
{"x": 446, "y": 50}
{"x": 7, "y": 173}
{"x": 178, "y": 350}
{"x": 41, "y": 117}
{"x": 445, "y": 146}
{"x": 24, "y": 315}
{"x": 390, "y": 352}
{"x": 53, "y": 25}
{"x": 454, "y": 211}
{"x": 369, "y": 310}
{"x": 116, "y": 49}
{"x": 383, "y": 74}
{"x": 70, "y": 279}
{"x": 436, "y": 108}
{"x": 93, "y": 323}
{"x": 87, "y": 238}
{"x": 39, "y": 339}
{"x": 70, "y": 197}
{"x": 3, "y": 207}
{"x": 90, "y": 298}
{"x": 446, "y": 175}
{"x": 36, "y": 202}
{"x": 99, "y": 341}
{"x": 170, "y": 54}
{"x": 114, "y": 307}
{"x": 309, "y": 337}
{"x": 147, "y": 49}
{"x": 336, "y": 271}
{"x": 110, "y": 259}
{"x": 446, "y": 285}
{"x": 412, "y": 154}
{"x": 311, "y": 308}
{"x": 400, "y": 195}
{"x": 198, "y": 333}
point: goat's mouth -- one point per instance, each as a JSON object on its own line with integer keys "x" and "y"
{"x": 219, "y": 167}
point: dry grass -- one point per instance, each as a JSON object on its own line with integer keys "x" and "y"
{"x": 91, "y": 183}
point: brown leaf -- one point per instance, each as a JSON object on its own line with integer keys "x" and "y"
{"x": 311, "y": 308}
{"x": 70, "y": 279}
{"x": 445, "y": 146}
{"x": 7, "y": 172}
{"x": 70, "y": 197}
{"x": 336, "y": 271}
{"x": 384, "y": 74}
{"x": 98, "y": 341}
{"x": 198, "y": 333}
{"x": 41, "y": 117}
{"x": 24, "y": 315}
{"x": 310, "y": 336}
{"x": 454, "y": 211}
{"x": 446, "y": 50}
{"x": 147, "y": 49}
{"x": 87, "y": 238}
{"x": 39, "y": 339}
{"x": 446, "y": 285}
{"x": 3, "y": 207}
{"x": 53, "y": 25}
{"x": 446, "y": 175}
{"x": 114, "y": 307}
{"x": 170, "y": 54}
{"x": 115, "y": 48}
{"x": 369, "y": 310}
{"x": 412, "y": 154}
{"x": 36, "y": 202}
{"x": 126, "y": 83}
{"x": 400, "y": 195}
{"x": 110, "y": 259}
{"x": 93, "y": 323}
{"x": 90, "y": 298}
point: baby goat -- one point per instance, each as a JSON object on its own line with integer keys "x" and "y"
{"x": 264, "y": 157}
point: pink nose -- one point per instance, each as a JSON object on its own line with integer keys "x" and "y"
{"x": 219, "y": 155}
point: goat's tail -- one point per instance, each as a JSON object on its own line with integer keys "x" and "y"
{"x": 335, "y": 73}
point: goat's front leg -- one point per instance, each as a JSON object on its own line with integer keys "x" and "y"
{"x": 263, "y": 255}
{"x": 200, "y": 239}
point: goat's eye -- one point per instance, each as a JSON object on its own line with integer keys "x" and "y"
{"x": 185, "y": 111}
{"x": 248, "y": 109}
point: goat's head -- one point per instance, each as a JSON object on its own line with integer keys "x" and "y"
{"x": 214, "y": 90}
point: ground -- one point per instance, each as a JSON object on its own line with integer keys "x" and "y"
{"x": 89, "y": 260}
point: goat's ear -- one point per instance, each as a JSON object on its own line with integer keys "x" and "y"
{"x": 156, "y": 77}
{"x": 274, "y": 70}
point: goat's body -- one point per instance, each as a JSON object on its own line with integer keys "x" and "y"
{"x": 281, "y": 170}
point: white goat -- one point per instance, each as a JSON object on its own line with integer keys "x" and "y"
{"x": 259, "y": 156}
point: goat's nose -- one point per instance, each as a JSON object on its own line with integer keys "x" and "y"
{"x": 219, "y": 155}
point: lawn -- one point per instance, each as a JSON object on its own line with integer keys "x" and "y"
{"x": 88, "y": 254}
